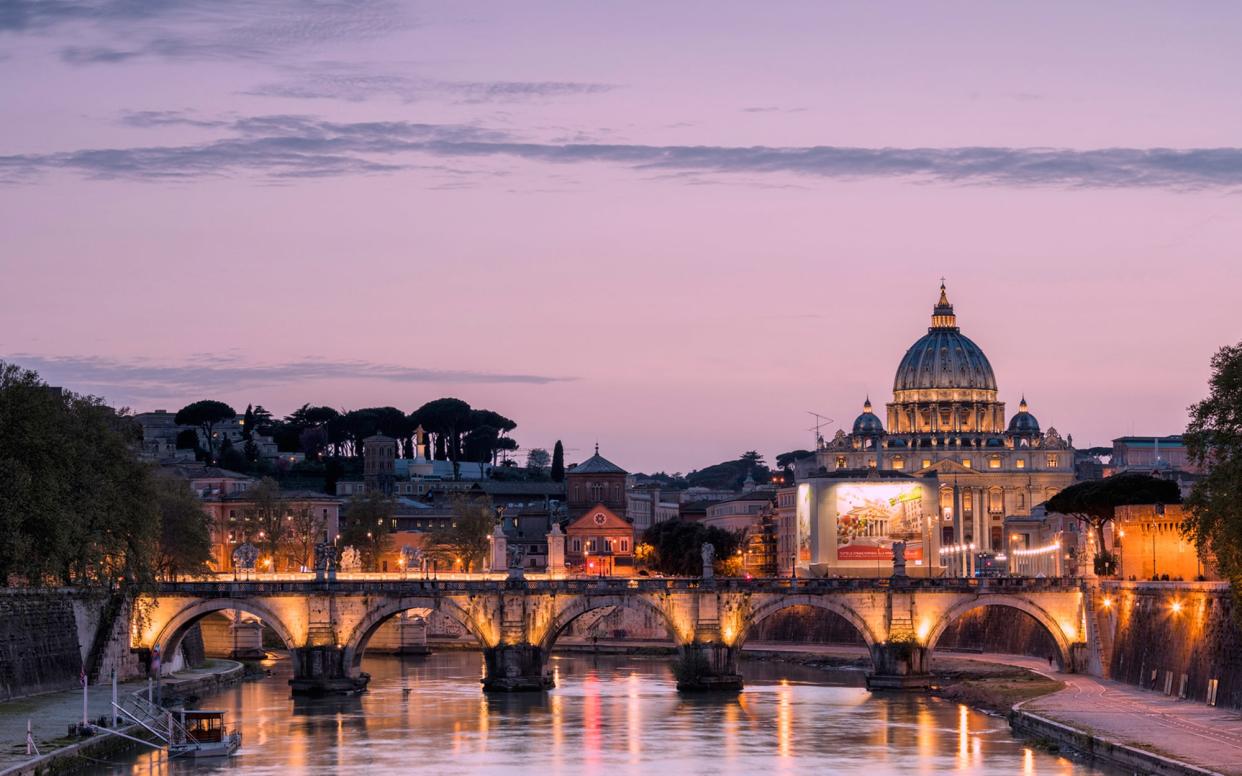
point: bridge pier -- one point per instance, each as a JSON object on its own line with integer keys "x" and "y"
{"x": 321, "y": 670}
{"x": 900, "y": 665}
{"x": 515, "y": 668}
{"x": 707, "y": 666}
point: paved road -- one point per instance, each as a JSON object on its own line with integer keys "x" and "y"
{"x": 1185, "y": 730}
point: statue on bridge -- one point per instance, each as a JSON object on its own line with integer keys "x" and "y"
{"x": 708, "y": 551}
{"x": 325, "y": 561}
{"x": 245, "y": 557}
{"x": 899, "y": 559}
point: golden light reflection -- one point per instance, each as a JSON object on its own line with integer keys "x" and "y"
{"x": 558, "y": 725}
{"x": 963, "y": 736}
{"x": 784, "y": 719}
{"x": 1028, "y": 762}
{"x": 923, "y": 630}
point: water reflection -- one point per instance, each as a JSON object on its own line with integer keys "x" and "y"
{"x": 608, "y": 715}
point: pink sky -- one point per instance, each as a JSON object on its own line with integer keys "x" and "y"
{"x": 671, "y": 229}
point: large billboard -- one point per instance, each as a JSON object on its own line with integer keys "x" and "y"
{"x": 870, "y": 516}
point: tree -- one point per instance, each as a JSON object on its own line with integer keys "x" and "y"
{"x": 537, "y": 459}
{"x": 785, "y": 460}
{"x": 265, "y": 524}
{"x": 367, "y": 527}
{"x": 306, "y": 527}
{"x": 558, "y": 462}
{"x": 206, "y": 415}
{"x": 465, "y": 539}
{"x": 185, "y": 532}
{"x": 76, "y": 505}
{"x": 1214, "y": 442}
{"x": 678, "y": 546}
{"x": 1094, "y": 502}
{"x": 446, "y": 420}
{"x": 729, "y": 475}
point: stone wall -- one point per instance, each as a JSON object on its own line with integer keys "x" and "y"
{"x": 806, "y": 624}
{"x": 999, "y": 629}
{"x": 47, "y": 637}
{"x": 39, "y": 643}
{"x": 1176, "y": 636}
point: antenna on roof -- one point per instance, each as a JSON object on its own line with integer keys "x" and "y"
{"x": 820, "y": 421}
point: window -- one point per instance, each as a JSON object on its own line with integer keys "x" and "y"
{"x": 577, "y": 545}
{"x": 1020, "y": 463}
{"x": 870, "y": 463}
{"x": 1052, "y": 461}
{"x": 899, "y": 462}
{"x": 926, "y": 463}
{"x": 966, "y": 462}
{"x": 994, "y": 462}
{"x": 840, "y": 462}
{"x": 1021, "y": 501}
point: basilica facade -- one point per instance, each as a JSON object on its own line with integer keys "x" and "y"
{"x": 946, "y": 418}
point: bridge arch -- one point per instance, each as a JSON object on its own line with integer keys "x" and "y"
{"x": 826, "y": 603}
{"x": 581, "y": 605}
{"x": 1041, "y": 615}
{"x": 371, "y": 622}
{"x": 169, "y": 637}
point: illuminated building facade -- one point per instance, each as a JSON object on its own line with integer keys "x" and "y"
{"x": 946, "y": 418}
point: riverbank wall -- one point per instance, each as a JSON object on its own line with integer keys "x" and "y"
{"x": 48, "y": 636}
{"x": 1178, "y": 638}
{"x": 1099, "y": 749}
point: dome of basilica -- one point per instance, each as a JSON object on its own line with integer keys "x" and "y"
{"x": 1024, "y": 422}
{"x": 944, "y": 358}
{"x": 867, "y": 422}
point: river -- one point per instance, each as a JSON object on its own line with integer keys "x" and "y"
{"x": 607, "y": 715}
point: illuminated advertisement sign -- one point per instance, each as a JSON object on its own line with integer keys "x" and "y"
{"x": 870, "y": 516}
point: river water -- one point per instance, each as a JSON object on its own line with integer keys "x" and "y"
{"x": 607, "y": 715}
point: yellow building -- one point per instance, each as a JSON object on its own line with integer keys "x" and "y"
{"x": 1149, "y": 541}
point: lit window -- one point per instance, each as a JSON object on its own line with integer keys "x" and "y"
{"x": 840, "y": 462}
{"x": 994, "y": 462}
{"x": 926, "y": 463}
{"x": 870, "y": 463}
{"x": 966, "y": 462}
{"x": 1052, "y": 461}
{"x": 1020, "y": 463}
{"x": 899, "y": 462}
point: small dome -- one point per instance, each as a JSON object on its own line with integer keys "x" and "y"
{"x": 867, "y": 422}
{"x": 1024, "y": 422}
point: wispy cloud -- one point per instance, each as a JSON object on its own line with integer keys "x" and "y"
{"x": 128, "y": 379}
{"x": 300, "y": 146}
{"x": 184, "y": 29}
{"x": 354, "y": 82}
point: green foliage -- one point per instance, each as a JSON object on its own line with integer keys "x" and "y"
{"x": 1093, "y": 502}
{"x": 729, "y": 475}
{"x": 558, "y": 462}
{"x": 76, "y": 506}
{"x": 367, "y": 527}
{"x": 678, "y": 546}
{"x": 1214, "y": 442}
{"x": 785, "y": 460}
{"x": 466, "y": 537}
{"x": 205, "y": 414}
{"x": 537, "y": 459}
{"x": 185, "y": 535}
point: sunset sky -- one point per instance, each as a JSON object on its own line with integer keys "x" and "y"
{"x": 673, "y": 228}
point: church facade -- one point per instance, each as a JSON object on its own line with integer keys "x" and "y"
{"x": 946, "y": 418}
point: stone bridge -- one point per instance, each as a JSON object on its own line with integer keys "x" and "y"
{"x": 326, "y": 625}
